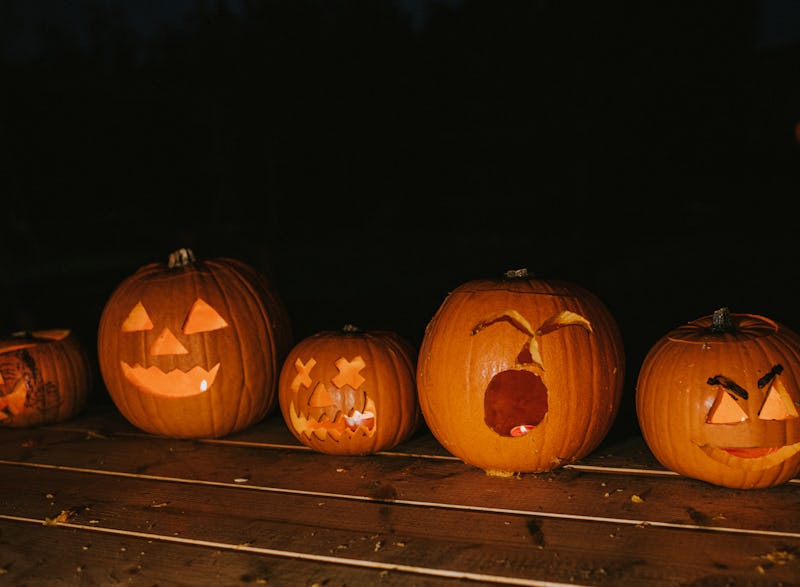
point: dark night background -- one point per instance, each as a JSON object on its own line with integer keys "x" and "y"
{"x": 370, "y": 156}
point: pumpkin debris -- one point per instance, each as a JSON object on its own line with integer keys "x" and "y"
{"x": 61, "y": 518}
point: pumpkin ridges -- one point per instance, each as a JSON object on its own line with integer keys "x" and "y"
{"x": 59, "y": 371}
{"x": 240, "y": 395}
{"x": 388, "y": 384}
{"x": 476, "y": 359}
{"x": 676, "y": 432}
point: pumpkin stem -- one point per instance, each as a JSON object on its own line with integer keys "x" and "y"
{"x": 181, "y": 258}
{"x": 516, "y": 273}
{"x": 350, "y": 329}
{"x": 721, "y": 321}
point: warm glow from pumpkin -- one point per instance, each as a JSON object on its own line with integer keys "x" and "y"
{"x": 519, "y": 374}
{"x": 749, "y": 437}
{"x": 44, "y": 378}
{"x": 175, "y": 383}
{"x": 191, "y": 347}
{"x": 335, "y": 410}
{"x": 350, "y": 392}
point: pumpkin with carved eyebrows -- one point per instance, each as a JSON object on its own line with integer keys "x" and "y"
{"x": 192, "y": 348}
{"x": 718, "y": 399}
{"x": 520, "y": 374}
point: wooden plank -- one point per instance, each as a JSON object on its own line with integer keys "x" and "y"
{"x": 481, "y": 546}
{"x": 66, "y": 556}
{"x": 566, "y": 493}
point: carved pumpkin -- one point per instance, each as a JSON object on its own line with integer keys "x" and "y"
{"x": 520, "y": 374}
{"x": 45, "y": 377}
{"x": 350, "y": 392}
{"x": 193, "y": 348}
{"x": 718, "y": 399}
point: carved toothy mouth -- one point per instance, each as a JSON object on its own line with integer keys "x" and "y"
{"x": 346, "y": 426}
{"x": 173, "y": 384}
{"x": 751, "y": 458}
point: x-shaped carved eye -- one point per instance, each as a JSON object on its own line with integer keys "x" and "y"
{"x": 777, "y": 404}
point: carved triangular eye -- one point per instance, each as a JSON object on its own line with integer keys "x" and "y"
{"x": 725, "y": 410}
{"x": 777, "y": 405}
{"x": 202, "y": 318}
{"x": 137, "y": 320}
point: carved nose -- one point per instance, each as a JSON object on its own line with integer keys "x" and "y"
{"x": 167, "y": 344}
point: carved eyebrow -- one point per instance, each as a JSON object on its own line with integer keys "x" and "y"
{"x": 776, "y": 370}
{"x": 728, "y": 384}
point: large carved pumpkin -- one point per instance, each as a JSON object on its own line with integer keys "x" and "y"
{"x": 718, "y": 399}
{"x": 45, "y": 377}
{"x": 520, "y": 374}
{"x": 350, "y": 392}
{"x": 193, "y": 348}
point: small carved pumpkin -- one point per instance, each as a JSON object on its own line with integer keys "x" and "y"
{"x": 718, "y": 399}
{"x": 193, "y": 348}
{"x": 350, "y": 392}
{"x": 45, "y": 377}
{"x": 520, "y": 374}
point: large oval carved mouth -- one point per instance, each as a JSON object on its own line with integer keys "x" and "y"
{"x": 172, "y": 384}
{"x": 515, "y": 402}
{"x": 751, "y": 458}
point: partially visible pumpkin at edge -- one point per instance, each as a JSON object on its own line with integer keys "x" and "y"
{"x": 718, "y": 399}
{"x": 46, "y": 377}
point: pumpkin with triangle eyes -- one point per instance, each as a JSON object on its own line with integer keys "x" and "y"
{"x": 193, "y": 348}
{"x": 520, "y": 374}
{"x": 350, "y": 392}
{"x": 45, "y": 378}
{"x": 718, "y": 399}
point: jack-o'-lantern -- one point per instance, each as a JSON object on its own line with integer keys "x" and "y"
{"x": 45, "y": 378}
{"x": 193, "y": 348}
{"x": 520, "y": 374}
{"x": 350, "y": 392}
{"x": 718, "y": 399}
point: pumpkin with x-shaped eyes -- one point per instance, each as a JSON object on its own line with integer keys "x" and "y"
{"x": 193, "y": 348}
{"x": 350, "y": 392}
{"x": 718, "y": 399}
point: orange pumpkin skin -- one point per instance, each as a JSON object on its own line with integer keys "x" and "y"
{"x": 45, "y": 378}
{"x": 193, "y": 348}
{"x": 520, "y": 374}
{"x": 350, "y": 392}
{"x": 692, "y": 409}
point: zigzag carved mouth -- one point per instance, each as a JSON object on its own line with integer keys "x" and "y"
{"x": 172, "y": 384}
{"x": 356, "y": 423}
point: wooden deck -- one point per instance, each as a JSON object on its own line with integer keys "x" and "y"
{"x": 94, "y": 501}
